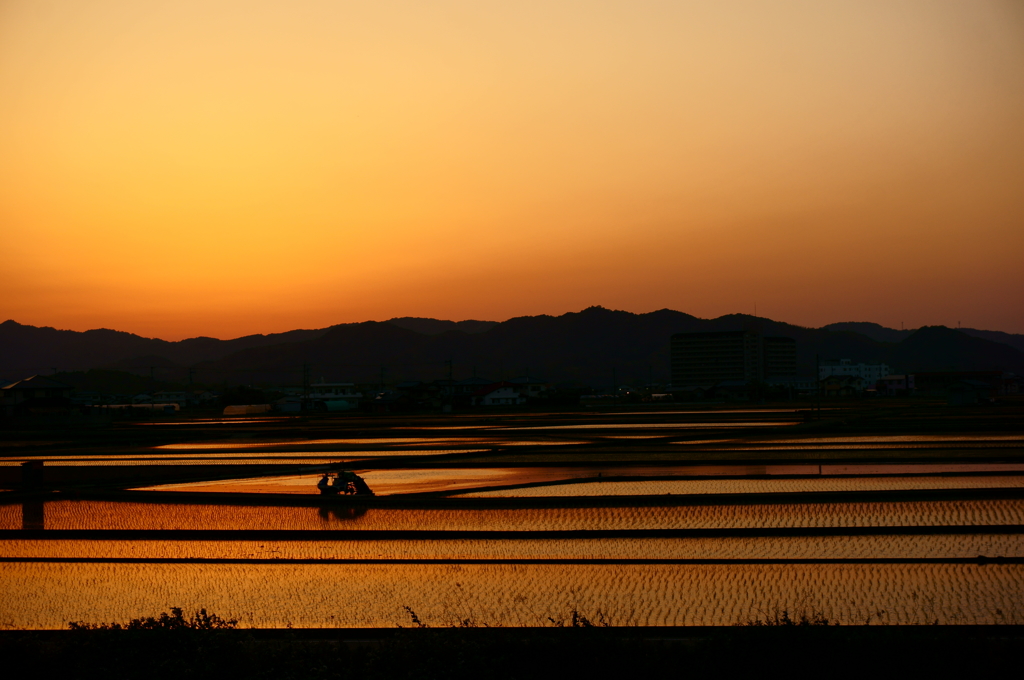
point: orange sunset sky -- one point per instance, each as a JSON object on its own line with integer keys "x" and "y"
{"x": 216, "y": 167}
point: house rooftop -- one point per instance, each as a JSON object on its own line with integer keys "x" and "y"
{"x": 484, "y": 391}
{"x": 37, "y": 382}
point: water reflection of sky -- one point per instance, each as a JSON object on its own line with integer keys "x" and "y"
{"x": 313, "y": 442}
{"x": 651, "y": 426}
{"x": 391, "y": 443}
{"x": 269, "y": 458}
{"x": 904, "y": 438}
{"x": 740, "y": 486}
{"x": 96, "y": 514}
{"x": 881, "y": 446}
{"x": 688, "y": 479}
{"x": 896, "y": 546}
{"x": 387, "y": 482}
{"x": 48, "y": 595}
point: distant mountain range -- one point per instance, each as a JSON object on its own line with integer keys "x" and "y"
{"x": 591, "y": 347}
{"x": 883, "y": 334}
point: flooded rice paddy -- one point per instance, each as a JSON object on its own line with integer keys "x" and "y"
{"x": 591, "y": 480}
{"x": 87, "y": 515}
{"x": 48, "y": 595}
{"x": 885, "y": 547}
{"x": 758, "y": 486}
{"x": 673, "y": 426}
{"x": 289, "y": 458}
{"x": 511, "y": 520}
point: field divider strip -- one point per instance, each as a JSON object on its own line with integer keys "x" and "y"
{"x": 322, "y": 535}
{"x": 429, "y": 500}
{"x": 980, "y": 560}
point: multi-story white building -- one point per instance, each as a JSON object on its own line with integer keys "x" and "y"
{"x": 325, "y": 396}
{"x": 871, "y": 372}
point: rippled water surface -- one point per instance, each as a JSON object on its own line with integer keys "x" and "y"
{"x": 334, "y": 576}
{"x": 81, "y": 514}
{"x": 745, "y": 548}
{"x": 48, "y": 595}
{"x": 724, "y": 486}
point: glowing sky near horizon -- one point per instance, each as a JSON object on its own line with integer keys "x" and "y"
{"x": 225, "y": 167}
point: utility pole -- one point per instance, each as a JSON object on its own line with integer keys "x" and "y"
{"x": 191, "y": 372}
{"x": 305, "y": 383}
{"x": 451, "y": 386}
{"x": 817, "y": 375}
{"x": 381, "y": 378}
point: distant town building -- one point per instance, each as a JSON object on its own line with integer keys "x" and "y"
{"x": 896, "y": 385}
{"x": 842, "y": 385}
{"x": 747, "y": 356}
{"x": 531, "y": 387}
{"x": 965, "y": 392}
{"x": 870, "y": 372}
{"x": 499, "y": 394}
{"x": 324, "y": 396}
{"x": 779, "y": 357}
{"x": 804, "y": 385}
{"x": 86, "y": 398}
{"x": 469, "y": 386}
{"x": 330, "y": 391}
{"x": 35, "y": 394}
{"x": 938, "y": 383}
{"x": 180, "y": 398}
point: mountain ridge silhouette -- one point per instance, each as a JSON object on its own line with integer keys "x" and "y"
{"x": 591, "y": 347}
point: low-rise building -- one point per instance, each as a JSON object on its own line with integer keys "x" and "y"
{"x": 938, "y": 383}
{"x": 966, "y": 392}
{"x": 36, "y": 394}
{"x": 470, "y": 386}
{"x": 499, "y": 394}
{"x": 531, "y": 388}
{"x": 842, "y": 385}
{"x": 86, "y": 398}
{"x": 735, "y": 390}
{"x": 871, "y": 372}
{"x": 794, "y": 385}
{"x": 325, "y": 396}
{"x": 896, "y": 385}
{"x": 182, "y": 399}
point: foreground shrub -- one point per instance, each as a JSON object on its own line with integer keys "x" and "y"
{"x": 176, "y": 620}
{"x": 782, "y": 618}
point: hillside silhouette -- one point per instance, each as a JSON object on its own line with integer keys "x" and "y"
{"x": 882, "y": 334}
{"x": 437, "y": 326}
{"x": 592, "y": 347}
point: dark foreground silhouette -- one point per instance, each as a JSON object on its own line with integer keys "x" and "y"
{"x": 206, "y": 646}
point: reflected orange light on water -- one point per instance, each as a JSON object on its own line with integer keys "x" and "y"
{"x": 189, "y": 516}
{"x": 341, "y": 595}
